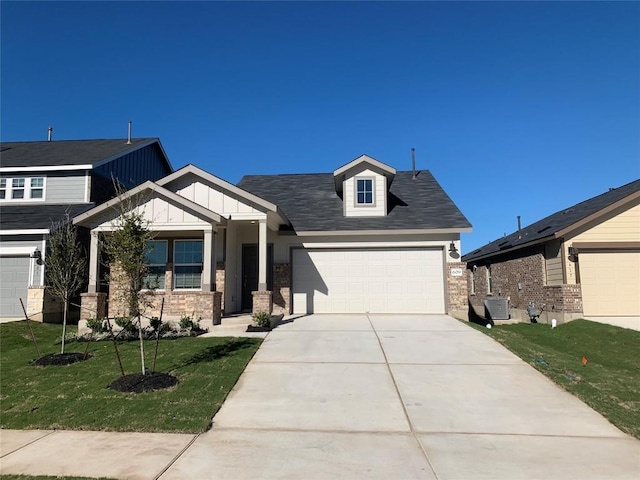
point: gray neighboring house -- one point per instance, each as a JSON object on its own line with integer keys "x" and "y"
{"x": 581, "y": 261}
{"x": 364, "y": 238}
{"x": 39, "y": 183}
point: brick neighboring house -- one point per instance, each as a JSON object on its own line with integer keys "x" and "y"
{"x": 364, "y": 238}
{"x": 40, "y": 182}
{"x": 581, "y": 261}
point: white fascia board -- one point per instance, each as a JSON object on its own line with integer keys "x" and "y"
{"x": 248, "y": 216}
{"x": 45, "y": 168}
{"x": 365, "y": 159}
{"x": 23, "y": 250}
{"x": 35, "y": 231}
{"x": 164, "y": 227}
{"x": 237, "y": 191}
{"x": 418, "y": 244}
{"x": 338, "y": 233}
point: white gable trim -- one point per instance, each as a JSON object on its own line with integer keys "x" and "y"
{"x": 365, "y": 159}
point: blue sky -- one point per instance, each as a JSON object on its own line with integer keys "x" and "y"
{"x": 517, "y": 108}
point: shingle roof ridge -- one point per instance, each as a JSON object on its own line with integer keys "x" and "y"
{"x": 134, "y": 139}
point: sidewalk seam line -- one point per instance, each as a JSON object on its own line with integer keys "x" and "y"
{"x": 27, "y": 444}
{"x": 404, "y": 408}
{"x": 175, "y": 459}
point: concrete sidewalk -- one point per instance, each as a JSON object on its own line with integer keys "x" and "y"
{"x": 362, "y": 397}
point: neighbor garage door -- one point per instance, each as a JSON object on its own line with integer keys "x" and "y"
{"x": 375, "y": 281}
{"x": 610, "y": 283}
{"x": 14, "y": 277}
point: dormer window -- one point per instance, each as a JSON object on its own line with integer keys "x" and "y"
{"x": 364, "y": 191}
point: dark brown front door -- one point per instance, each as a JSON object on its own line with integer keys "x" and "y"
{"x": 250, "y": 273}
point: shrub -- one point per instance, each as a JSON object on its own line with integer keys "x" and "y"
{"x": 187, "y": 323}
{"x": 156, "y": 324}
{"x": 262, "y": 319}
{"x": 126, "y": 324}
{"x": 96, "y": 325}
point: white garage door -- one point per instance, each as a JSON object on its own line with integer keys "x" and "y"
{"x": 14, "y": 278}
{"x": 610, "y": 283}
{"x": 374, "y": 281}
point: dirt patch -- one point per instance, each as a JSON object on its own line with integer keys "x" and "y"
{"x": 254, "y": 328}
{"x": 61, "y": 359}
{"x": 138, "y": 383}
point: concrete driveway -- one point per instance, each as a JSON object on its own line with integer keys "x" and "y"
{"x": 371, "y": 397}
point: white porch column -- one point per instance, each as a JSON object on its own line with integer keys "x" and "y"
{"x": 94, "y": 254}
{"x": 209, "y": 261}
{"x": 262, "y": 255}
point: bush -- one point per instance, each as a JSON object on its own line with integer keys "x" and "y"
{"x": 126, "y": 324}
{"x": 187, "y": 323}
{"x": 156, "y": 324}
{"x": 96, "y": 325}
{"x": 262, "y": 319}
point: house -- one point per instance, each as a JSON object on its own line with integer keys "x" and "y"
{"x": 582, "y": 261}
{"x": 42, "y": 181}
{"x": 364, "y": 238}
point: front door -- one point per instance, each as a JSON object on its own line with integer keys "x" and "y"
{"x": 250, "y": 273}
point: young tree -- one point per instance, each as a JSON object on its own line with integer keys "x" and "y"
{"x": 126, "y": 248}
{"x": 66, "y": 265}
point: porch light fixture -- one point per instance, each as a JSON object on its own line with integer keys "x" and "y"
{"x": 37, "y": 255}
{"x": 452, "y": 248}
{"x": 573, "y": 254}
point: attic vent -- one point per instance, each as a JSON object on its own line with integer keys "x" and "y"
{"x": 568, "y": 210}
{"x": 545, "y": 228}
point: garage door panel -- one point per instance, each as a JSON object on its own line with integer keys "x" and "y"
{"x": 13, "y": 285}
{"x": 376, "y": 281}
{"x": 610, "y": 283}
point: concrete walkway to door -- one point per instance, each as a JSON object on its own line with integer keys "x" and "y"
{"x": 363, "y": 397}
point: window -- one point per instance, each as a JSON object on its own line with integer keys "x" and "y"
{"x": 472, "y": 280}
{"x": 364, "y": 191}
{"x": 489, "y": 280}
{"x": 22, "y": 188}
{"x": 187, "y": 260}
{"x": 156, "y": 265}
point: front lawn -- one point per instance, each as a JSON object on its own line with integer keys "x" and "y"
{"x": 76, "y": 396}
{"x": 609, "y": 382}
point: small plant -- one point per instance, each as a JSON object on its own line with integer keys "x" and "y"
{"x": 126, "y": 324}
{"x": 187, "y": 323}
{"x": 262, "y": 319}
{"x": 96, "y": 325}
{"x": 156, "y": 324}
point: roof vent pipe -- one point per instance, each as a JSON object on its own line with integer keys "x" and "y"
{"x": 129, "y": 133}
{"x": 49, "y": 133}
{"x": 413, "y": 162}
{"x": 519, "y": 227}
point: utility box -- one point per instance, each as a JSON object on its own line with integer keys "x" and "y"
{"x": 496, "y": 308}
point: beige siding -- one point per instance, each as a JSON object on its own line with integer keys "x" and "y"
{"x": 553, "y": 263}
{"x": 621, "y": 227}
{"x": 380, "y": 195}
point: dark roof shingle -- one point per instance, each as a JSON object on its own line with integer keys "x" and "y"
{"x": 549, "y": 226}
{"x": 33, "y": 216}
{"x": 65, "y": 152}
{"x": 311, "y": 203}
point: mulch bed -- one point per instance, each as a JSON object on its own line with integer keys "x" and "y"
{"x": 254, "y": 328}
{"x": 61, "y": 359}
{"x": 138, "y": 383}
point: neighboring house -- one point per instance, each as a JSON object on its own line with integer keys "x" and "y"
{"x": 364, "y": 238}
{"x": 581, "y": 261}
{"x": 39, "y": 183}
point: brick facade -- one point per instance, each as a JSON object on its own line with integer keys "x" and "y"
{"x": 94, "y": 305}
{"x": 281, "y": 288}
{"x": 521, "y": 278}
{"x": 262, "y": 301}
{"x": 456, "y": 289}
{"x": 220, "y": 279}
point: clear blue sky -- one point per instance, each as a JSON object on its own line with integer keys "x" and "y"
{"x": 517, "y": 108}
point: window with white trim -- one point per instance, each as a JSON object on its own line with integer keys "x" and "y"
{"x": 155, "y": 264}
{"x": 22, "y": 189}
{"x": 472, "y": 281}
{"x": 364, "y": 191}
{"x": 489, "y": 280}
{"x": 187, "y": 264}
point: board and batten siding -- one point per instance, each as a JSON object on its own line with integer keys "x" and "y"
{"x": 378, "y": 209}
{"x": 210, "y": 197}
{"x": 553, "y": 262}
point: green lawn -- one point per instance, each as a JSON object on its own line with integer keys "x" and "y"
{"x": 609, "y": 382}
{"x": 75, "y": 396}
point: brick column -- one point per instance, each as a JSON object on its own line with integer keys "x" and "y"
{"x": 94, "y": 305}
{"x": 220, "y": 280}
{"x": 457, "y": 299}
{"x": 281, "y": 288}
{"x": 262, "y": 301}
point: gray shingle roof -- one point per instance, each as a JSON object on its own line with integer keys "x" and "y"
{"x": 65, "y": 152}
{"x": 549, "y": 226}
{"x": 27, "y": 217}
{"x": 311, "y": 203}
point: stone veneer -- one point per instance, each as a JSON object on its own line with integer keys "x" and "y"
{"x": 281, "y": 288}
{"x": 220, "y": 279}
{"x": 262, "y": 301}
{"x": 94, "y": 305}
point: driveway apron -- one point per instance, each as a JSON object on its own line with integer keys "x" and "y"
{"x": 412, "y": 396}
